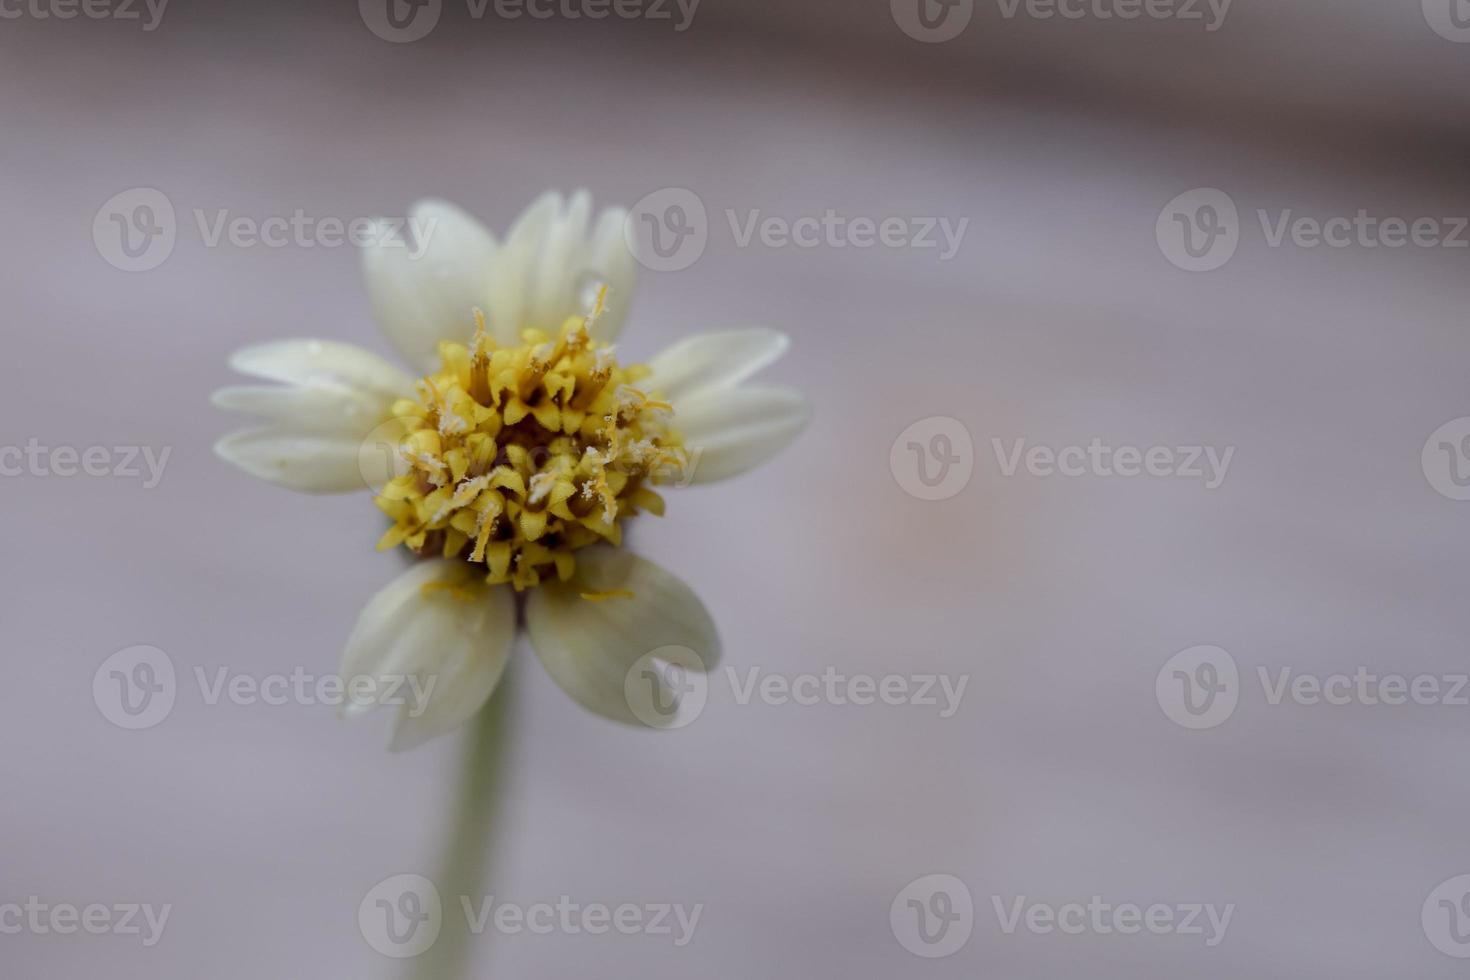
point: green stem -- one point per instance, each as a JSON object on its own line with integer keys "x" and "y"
{"x": 465, "y": 864}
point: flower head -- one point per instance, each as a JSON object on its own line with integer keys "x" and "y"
{"x": 515, "y": 457}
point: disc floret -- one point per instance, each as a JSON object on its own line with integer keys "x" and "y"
{"x": 515, "y": 458}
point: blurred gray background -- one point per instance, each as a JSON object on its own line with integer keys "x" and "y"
{"x": 1060, "y": 319}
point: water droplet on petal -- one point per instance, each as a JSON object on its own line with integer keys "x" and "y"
{"x": 586, "y": 287}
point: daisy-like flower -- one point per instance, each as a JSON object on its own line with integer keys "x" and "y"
{"x": 517, "y": 449}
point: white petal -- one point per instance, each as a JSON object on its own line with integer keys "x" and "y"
{"x": 588, "y": 647}
{"x": 335, "y": 395}
{"x": 730, "y": 430}
{"x": 610, "y": 261}
{"x": 426, "y": 290}
{"x": 309, "y": 462}
{"x": 325, "y": 363}
{"x": 551, "y": 263}
{"x": 445, "y": 652}
{"x": 552, "y": 299}
{"x": 342, "y": 411}
{"x": 511, "y": 275}
{"x": 713, "y": 360}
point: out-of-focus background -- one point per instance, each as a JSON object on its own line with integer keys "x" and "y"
{"x": 1124, "y": 183}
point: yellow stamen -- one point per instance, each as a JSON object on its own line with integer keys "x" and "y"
{"x": 609, "y": 594}
{"x": 521, "y": 456}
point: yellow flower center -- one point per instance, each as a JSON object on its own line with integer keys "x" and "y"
{"x": 516, "y": 457}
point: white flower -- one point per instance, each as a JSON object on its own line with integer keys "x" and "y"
{"x": 517, "y": 447}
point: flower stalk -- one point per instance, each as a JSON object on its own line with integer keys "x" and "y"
{"x": 469, "y": 842}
